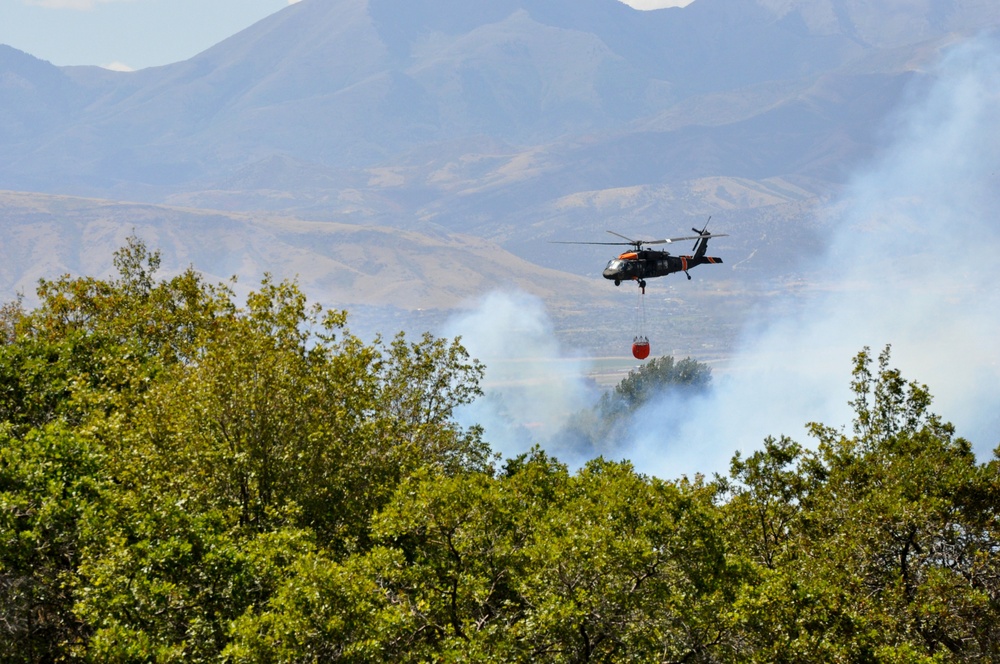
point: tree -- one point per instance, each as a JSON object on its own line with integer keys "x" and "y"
{"x": 326, "y": 611}
{"x": 93, "y": 347}
{"x": 591, "y": 430}
{"x": 283, "y": 423}
{"x": 533, "y": 564}
{"x": 628, "y": 568}
{"x": 877, "y": 547}
{"x": 165, "y": 584}
{"x": 211, "y": 428}
{"x": 50, "y": 496}
{"x": 279, "y": 425}
{"x": 764, "y": 502}
{"x": 655, "y": 377}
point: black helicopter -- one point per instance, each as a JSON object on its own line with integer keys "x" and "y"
{"x": 641, "y": 264}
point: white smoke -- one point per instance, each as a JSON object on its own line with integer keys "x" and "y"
{"x": 532, "y": 385}
{"x": 912, "y": 264}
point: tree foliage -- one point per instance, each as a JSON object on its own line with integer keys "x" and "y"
{"x": 51, "y": 486}
{"x": 877, "y": 547}
{"x": 185, "y": 479}
{"x": 654, "y": 378}
{"x": 532, "y": 565}
{"x": 207, "y": 426}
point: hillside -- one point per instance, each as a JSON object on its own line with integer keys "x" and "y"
{"x": 341, "y": 264}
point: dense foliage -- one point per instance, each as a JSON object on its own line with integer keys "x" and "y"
{"x": 186, "y": 480}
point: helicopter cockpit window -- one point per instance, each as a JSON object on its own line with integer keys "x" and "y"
{"x": 614, "y": 264}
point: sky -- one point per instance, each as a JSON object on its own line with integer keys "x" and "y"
{"x": 135, "y": 34}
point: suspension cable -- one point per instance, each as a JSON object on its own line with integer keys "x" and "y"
{"x": 640, "y": 316}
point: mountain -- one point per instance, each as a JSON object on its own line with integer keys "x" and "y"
{"x": 348, "y": 83}
{"x": 513, "y": 121}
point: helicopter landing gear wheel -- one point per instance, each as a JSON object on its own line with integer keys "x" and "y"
{"x": 642, "y": 285}
{"x": 618, "y": 282}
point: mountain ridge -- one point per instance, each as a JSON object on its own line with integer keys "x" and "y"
{"x": 345, "y": 72}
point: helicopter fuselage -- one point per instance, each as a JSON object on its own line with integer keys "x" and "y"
{"x": 648, "y": 263}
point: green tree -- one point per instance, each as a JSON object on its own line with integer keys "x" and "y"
{"x": 213, "y": 431}
{"x": 764, "y": 504}
{"x": 628, "y": 568}
{"x": 534, "y": 564}
{"x": 164, "y": 584}
{"x": 438, "y": 585}
{"x": 876, "y": 547}
{"x": 283, "y": 423}
{"x": 279, "y": 425}
{"x": 653, "y": 378}
{"x": 92, "y": 347}
{"x": 50, "y": 495}
{"x": 326, "y": 611}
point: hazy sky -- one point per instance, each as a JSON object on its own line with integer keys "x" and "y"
{"x": 139, "y": 33}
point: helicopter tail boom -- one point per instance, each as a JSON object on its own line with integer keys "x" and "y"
{"x": 688, "y": 262}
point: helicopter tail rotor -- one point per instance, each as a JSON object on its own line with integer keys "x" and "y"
{"x": 701, "y": 233}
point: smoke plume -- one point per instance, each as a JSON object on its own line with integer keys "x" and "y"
{"x": 913, "y": 263}
{"x": 532, "y": 385}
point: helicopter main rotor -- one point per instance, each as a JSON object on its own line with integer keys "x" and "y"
{"x": 638, "y": 244}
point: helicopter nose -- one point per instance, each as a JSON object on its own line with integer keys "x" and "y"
{"x": 610, "y": 273}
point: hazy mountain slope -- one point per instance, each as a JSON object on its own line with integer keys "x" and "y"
{"x": 340, "y": 264}
{"x": 345, "y": 83}
{"x": 517, "y": 196}
{"x": 35, "y": 98}
{"x": 887, "y": 24}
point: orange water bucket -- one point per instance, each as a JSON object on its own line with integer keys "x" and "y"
{"x": 640, "y": 348}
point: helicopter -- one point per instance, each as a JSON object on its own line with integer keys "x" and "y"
{"x": 640, "y": 264}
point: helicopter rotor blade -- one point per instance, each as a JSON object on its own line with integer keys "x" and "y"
{"x": 701, "y": 233}
{"x": 669, "y": 240}
{"x": 638, "y": 244}
{"x": 630, "y": 240}
{"x": 642, "y": 242}
{"x": 616, "y": 244}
